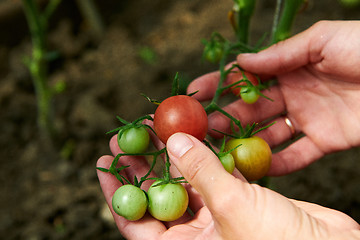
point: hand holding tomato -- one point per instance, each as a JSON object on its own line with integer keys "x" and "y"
{"x": 222, "y": 203}
{"x": 318, "y": 88}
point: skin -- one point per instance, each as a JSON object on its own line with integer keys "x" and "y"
{"x": 314, "y": 75}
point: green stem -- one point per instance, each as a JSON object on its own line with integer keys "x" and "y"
{"x": 155, "y": 156}
{"x": 50, "y": 8}
{"x": 244, "y": 13}
{"x": 91, "y": 14}
{"x": 37, "y": 64}
{"x": 282, "y": 30}
{"x": 223, "y": 74}
{"x": 276, "y": 17}
{"x": 167, "y": 176}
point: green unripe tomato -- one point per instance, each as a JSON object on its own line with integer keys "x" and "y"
{"x": 249, "y": 94}
{"x": 213, "y": 52}
{"x": 167, "y": 202}
{"x": 134, "y": 140}
{"x": 228, "y": 162}
{"x": 130, "y": 202}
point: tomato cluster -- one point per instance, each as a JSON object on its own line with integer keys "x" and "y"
{"x": 167, "y": 199}
{"x": 165, "y": 202}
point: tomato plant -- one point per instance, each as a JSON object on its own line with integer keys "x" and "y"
{"x": 133, "y": 140}
{"x": 252, "y": 158}
{"x": 180, "y": 113}
{"x": 129, "y": 202}
{"x": 167, "y": 202}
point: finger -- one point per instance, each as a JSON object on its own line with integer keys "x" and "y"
{"x": 199, "y": 166}
{"x": 206, "y": 86}
{"x": 286, "y": 55}
{"x": 334, "y": 218}
{"x": 146, "y": 228}
{"x": 278, "y": 133}
{"x": 260, "y": 111}
{"x": 296, "y": 156}
{"x": 302, "y": 49}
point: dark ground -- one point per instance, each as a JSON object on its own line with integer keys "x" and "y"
{"x": 47, "y": 196}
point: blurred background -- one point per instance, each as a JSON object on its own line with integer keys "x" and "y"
{"x": 103, "y": 61}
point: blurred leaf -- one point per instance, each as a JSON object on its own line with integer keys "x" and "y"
{"x": 148, "y": 55}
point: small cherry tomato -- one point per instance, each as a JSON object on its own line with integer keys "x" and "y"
{"x": 249, "y": 94}
{"x": 228, "y": 162}
{"x": 167, "y": 202}
{"x": 134, "y": 140}
{"x": 129, "y": 202}
{"x": 213, "y": 52}
{"x": 252, "y": 158}
{"x": 180, "y": 113}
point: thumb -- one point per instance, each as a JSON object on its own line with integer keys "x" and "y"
{"x": 199, "y": 166}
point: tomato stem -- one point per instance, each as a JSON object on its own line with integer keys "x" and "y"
{"x": 244, "y": 10}
{"x": 114, "y": 170}
{"x": 282, "y": 28}
{"x": 155, "y": 156}
{"x": 167, "y": 167}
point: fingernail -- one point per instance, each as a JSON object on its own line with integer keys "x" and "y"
{"x": 178, "y": 144}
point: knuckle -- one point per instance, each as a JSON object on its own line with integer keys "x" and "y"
{"x": 222, "y": 205}
{"x": 195, "y": 163}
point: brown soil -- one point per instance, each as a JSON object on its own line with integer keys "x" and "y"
{"x": 47, "y": 195}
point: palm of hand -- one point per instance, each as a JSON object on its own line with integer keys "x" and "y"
{"x": 326, "y": 111}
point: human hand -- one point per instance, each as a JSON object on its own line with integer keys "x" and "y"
{"x": 318, "y": 89}
{"x": 225, "y": 207}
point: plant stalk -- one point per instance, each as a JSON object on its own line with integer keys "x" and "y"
{"x": 245, "y": 10}
{"x": 37, "y": 63}
{"x": 282, "y": 28}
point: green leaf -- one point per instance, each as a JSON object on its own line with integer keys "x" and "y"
{"x": 175, "y": 85}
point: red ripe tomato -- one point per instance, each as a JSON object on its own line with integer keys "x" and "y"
{"x": 235, "y": 77}
{"x": 180, "y": 113}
